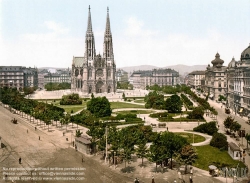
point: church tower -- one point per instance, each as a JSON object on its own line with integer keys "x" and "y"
{"x": 108, "y": 55}
{"x": 95, "y": 73}
{"x": 108, "y": 44}
{"x": 89, "y": 40}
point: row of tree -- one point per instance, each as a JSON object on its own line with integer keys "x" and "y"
{"x": 133, "y": 140}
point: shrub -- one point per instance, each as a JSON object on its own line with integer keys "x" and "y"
{"x": 72, "y": 99}
{"x": 208, "y": 128}
{"x": 100, "y": 107}
{"x": 197, "y": 113}
{"x": 219, "y": 140}
{"x": 160, "y": 114}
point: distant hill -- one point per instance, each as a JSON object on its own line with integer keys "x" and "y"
{"x": 182, "y": 69}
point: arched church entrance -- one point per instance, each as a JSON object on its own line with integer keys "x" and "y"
{"x": 99, "y": 87}
{"x": 109, "y": 89}
{"x": 90, "y": 89}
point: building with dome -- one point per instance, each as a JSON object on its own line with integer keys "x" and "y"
{"x": 215, "y": 79}
{"x": 238, "y": 78}
{"x": 95, "y": 73}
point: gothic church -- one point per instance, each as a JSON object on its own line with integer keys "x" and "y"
{"x": 95, "y": 73}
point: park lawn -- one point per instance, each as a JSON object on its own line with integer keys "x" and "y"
{"x": 208, "y": 155}
{"x": 139, "y": 101}
{"x": 190, "y": 137}
{"x": 135, "y": 112}
{"x": 119, "y": 105}
{"x": 75, "y": 108}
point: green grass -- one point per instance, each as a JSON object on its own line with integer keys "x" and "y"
{"x": 139, "y": 101}
{"x": 75, "y": 108}
{"x": 208, "y": 155}
{"x": 135, "y": 112}
{"x": 118, "y": 105}
{"x": 190, "y": 137}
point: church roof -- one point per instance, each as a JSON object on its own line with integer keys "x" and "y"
{"x": 78, "y": 61}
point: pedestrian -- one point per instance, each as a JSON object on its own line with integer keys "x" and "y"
{"x": 153, "y": 179}
{"x": 39, "y": 137}
{"x": 73, "y": 143}
{"x": 35, "y": 128}
{"x": 27, "y": 131}
{"x": 20, "y": 160}
{"x": 76, "y": 147}
{"x": 191, "y": 170}
{"x": 167, "y": 128}
{"x": 190, "y": 179}
{"x": 136, "y": 180}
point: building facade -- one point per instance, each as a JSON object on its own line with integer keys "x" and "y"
{"x": 121, "y": 76}
{"x": 238, "y": 79}
{"x": 95, "y": 73}
{"x": 160, "y": 77}
{"x": 194, "y": 79}
{"x": 18, "y": 77}
{"x": 215, "y": 79}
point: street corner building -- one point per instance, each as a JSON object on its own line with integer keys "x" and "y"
{"x": 95, "y": 73}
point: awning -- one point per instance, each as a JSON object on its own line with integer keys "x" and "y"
{"x": 241, "y": 109}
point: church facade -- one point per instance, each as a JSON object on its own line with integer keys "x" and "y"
{"x": 95, "y": 73}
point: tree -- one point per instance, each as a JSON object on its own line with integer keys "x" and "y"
{"x": 72, "y": 99}
{"x": 173, "y": 143}
{"x": 197, "y": 113}
{"x": 99, "y": 107}
{"x": 154, "y": 100}
{"x": 228, "y": 121}
{"x": 219, "y": 140}
{"x": 78, "y": 133}
{"x": 209, "y": 128}
{"x": 165, "y": 146}
{"x": 141, "y": 151}
{"x": 187, "y": 155}
{"x": 174, "y": 104}
{"x": 232, "y": 125}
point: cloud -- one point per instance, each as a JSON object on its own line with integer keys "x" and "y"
{"x": 140, "y": 46}
{"x": 53, "y": 48}
{"x": 56, "y": 27}
{"x": 135, "y": 27}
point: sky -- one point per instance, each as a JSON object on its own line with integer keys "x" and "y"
{"x": 48, "y": 33}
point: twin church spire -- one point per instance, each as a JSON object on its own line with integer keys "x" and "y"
{"x": 90, "y": 52}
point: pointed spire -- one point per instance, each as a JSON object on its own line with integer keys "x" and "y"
{"x": 107, "y": 31}
{"x": 89, "y": 29}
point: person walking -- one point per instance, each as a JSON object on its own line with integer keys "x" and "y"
{"x": 153, "y": 179}
{"x": 39, "y": 137}
{"x": 190, "y": 179}
{"x": 27, "y": 131}
{"x": 20, "y": 160}
{"x": 136, "y": 180}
